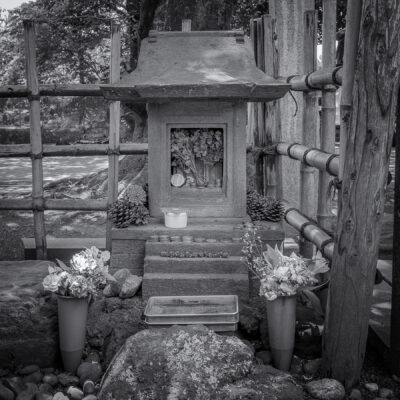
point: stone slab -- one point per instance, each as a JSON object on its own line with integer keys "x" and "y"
{"x": 230, "y": 265}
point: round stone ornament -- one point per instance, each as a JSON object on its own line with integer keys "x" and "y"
{"x": 177, "y": 180}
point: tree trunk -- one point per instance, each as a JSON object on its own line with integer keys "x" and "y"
{"x": 363, "y": 191}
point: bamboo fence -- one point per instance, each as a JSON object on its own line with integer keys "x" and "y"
{"x": 310, "y": 128}
{"x": 36, "y": 150}
{"x": 325, "y": 217}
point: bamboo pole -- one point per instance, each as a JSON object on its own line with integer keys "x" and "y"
{"x": 310, "y": 127}
{"x": 316, "y": 80}
{"x": 10, "y": 91}
{"x": 272, "y": 171}
{"x": 316, "y": 158}
{"x": 372, "y": 124}
{"x": 113, "y": 158}
{"x": 68, "y": 150}
{"x": 395, "y": 312}
{"x": 55, "y": 204}
{"x": 325, "y": 216}
{"x": 35, "y": 140}
{"x": 353, "y": 17}
{"x": 310, "y": 230}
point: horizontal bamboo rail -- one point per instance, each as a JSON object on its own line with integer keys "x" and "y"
{"x": 77, "y": 89}
{"x": 78, "y": 150}
{"x": 54, "y": 204}
{"x": 316, "y": 80}
{"x": 312, "y": 157}
{"x": 310, "y": 230}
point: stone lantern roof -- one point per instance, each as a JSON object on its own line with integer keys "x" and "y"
{"x": 197, "y": 65}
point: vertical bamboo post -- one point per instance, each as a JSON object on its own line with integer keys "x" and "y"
{"x": 35, "y": 140}
{"x": 395, "y": 312}
{"x": 353, "y": 17}
{"x": 310, "y": 128}
{"x": 325, "y": 216}
{"x": 113, "y": 157}
{"x": 272, "y": 172}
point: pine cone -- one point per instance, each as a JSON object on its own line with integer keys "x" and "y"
{"x": 121, "y": 212}
{"x": 136, "y": 194}
{"x": 261, "y": 208}
{"x": 140, "y": 215}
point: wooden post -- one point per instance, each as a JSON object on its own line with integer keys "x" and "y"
{"x": 353, "y": 16}
{"x": 310, "y": 127}
{"x": 113, "y": 157}
{"x": 272, "y": 172}
{"x": 186, "y": 25}
{"x": 325, "y": 217}
{"x": 35, "y": 140}
{"x": 395, "y": 312}
{"x": 372, "y": 123}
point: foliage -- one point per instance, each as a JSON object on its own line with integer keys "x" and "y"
{"x": 279, "y": 275}
{"x": 262, "y": 208}
{"x": 86, "y": 275}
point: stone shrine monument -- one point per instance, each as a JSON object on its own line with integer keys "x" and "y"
{"x": 196, "y": 86}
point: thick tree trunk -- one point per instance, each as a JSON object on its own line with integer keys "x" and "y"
{"x": 363, "y": 191}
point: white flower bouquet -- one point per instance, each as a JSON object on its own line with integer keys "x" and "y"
{"x": 279, "y": 275}
{"x": 86, "y": 275}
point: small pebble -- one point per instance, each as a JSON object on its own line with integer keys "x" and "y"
{"x": 60, "y": 396}
{"x": 372, "y": 387}
{"x": 385, "y": 393}
{"x": 51, "y": 379}
{"x": 355, "y": 395}
{"x": 15, "y": 384}
{"x": 67, "y": 379}
{"x": 35, "y": 377}
{"x": 88, "y": 387}
{"x": 89, "y": 371}
{"x": 265, "y": 356}
{"x": 90, "y": 397}
{"x": 5, "y": 393}
{"x": 75, "y": 393}
{"x": 45, "y": 388}
{"x": 43, "y": 396}
{"x": 29, "y": 369}
{"x": 93, "y": 357}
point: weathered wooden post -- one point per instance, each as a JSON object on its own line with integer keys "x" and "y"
{"x": 372, "y": 124}
{"x": 113, "y": 144}
{"x": 395, "y": 313}
{"x": 272, "y": 171}
{"x": 35, "y": 140}
{"x": 310, "y": 128}
{"x": 325, "y": 217}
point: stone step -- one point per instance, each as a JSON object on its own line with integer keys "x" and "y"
{"x": 176, "y": 284}
{"x": 155, "y": 248}
{"x": 230, "y": 265}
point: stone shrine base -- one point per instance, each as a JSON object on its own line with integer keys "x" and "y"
{"x": 176, "y": 267}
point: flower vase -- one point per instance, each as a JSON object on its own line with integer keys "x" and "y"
{"x": 72, "y": 317}
{"x": 281, "y": 315}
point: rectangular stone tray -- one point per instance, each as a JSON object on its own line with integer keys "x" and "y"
{"x": 185, "y": 310}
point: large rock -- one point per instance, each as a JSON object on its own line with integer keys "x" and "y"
{"x": 28, "y": 317}
{"x": 111, "y": 321}
{"x": 191, "y": 363}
